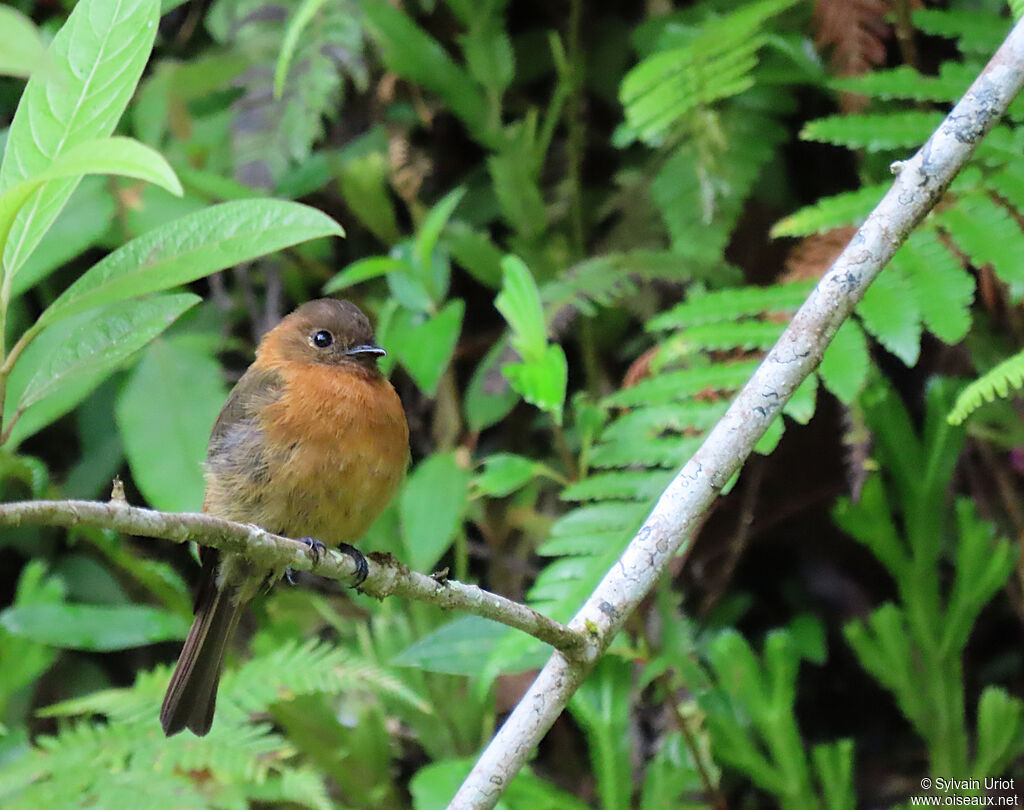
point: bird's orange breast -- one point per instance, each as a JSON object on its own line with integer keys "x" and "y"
{"x": 337, "y": 446}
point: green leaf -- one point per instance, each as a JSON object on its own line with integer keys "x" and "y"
{"x": 411, "y": 53}
{"x": 987, "y": 233}
{"x": 974, "y": 33}
{"x": 25, "y": 660}
{"x": 489, "y": 397}
{"x": 434, "y": 785}
{"x": 848, "y": 208}
{"x": 542, "y": 381}
{"x": 844, "y": 368}
{"x": 302, "y": 17}
{"x": 364, "y": 188}
{"x": 165, "y": 413}
{"x": 716, "y": 63}
{"x": 192, "y": 247}
{"x": 519, "y": 302}
{"x": 476, "y": 252}
{"x": 116, "y": 155}
{"x": 93, "y": 627}
{"x": 67, "y": 361}
{"x": 833, "y": 762}
{"x": 941, "y": 287}
{"x": 364, "y": 270}
{"x": 425, "y": 345}
{"x": 96, "y": 59}
{"x": 890, "y": 313}
{"x": 504, "y": 473}
{"x": 431, "y": 507}
{"x": 730, "y": 305}
{"x": 460, "y": 647}
{"x": 1000, "y": 732}
{"x": 84, "y": 220}
{"x": 516, "y": 185}
{"x": 801, "y": 405}
{"x": 602, "y": 707}
{"x": 430, "y": 229}
{"x": 488, "y": 53}
{"x": 22, "y": 50}
{"x": 875, "y": 133}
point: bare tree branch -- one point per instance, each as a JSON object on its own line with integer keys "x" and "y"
{"x": 387, "y": 576}
{"x": 920, "y": 183}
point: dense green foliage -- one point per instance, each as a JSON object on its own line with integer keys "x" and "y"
{"x": 566, "y": 223}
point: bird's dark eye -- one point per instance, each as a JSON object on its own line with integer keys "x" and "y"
{"x": 323, "y": 339}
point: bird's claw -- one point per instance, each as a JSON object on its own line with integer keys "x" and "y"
{"x": 316, "y": 548}
{"x": 362, "y": 568}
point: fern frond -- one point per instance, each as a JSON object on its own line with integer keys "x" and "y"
{"x": 906, "y": 83}
{"x": 975, "y": 33}
{"x": 942, "y": 288}
{"x": 671, "y": 451}
{"x": 844, "y": 368}
{"x": 999, "y": 382}
{"x": 661, "y": 91}
{"x": 672, "y": 386}
{"x": 722, "y": 336}
{"x": 308, "y": 667}
{"x": 986, "y": 232}
{"x": 876, "y": 132}
{"x": 733, "y": 303}
{"x": 848, "y": 208}
{"x": 889, "y": 312}
{"x": 703, "y": 185}
{"x": 1009, "y": 184}
{"x": 604, "y": 279}
{"x": 690, "y": 415}
{"x": 617, "y": 484}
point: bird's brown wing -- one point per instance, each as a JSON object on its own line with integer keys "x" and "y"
{"x": 237, "y": 466}
{"x": 258, "y": 388}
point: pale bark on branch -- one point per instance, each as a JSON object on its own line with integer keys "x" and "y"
{"x": 920, "y": 183}
{"x": 386, "y": 577}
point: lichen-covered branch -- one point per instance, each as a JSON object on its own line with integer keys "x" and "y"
{"x": 386, "y": 577}
{"x": 920, "y": 183}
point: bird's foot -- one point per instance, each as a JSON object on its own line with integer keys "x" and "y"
{"x": 316, "y": 549}
{"x": 362, "y": 569}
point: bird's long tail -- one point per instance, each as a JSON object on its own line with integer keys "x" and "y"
{"x": 192, "y": 693}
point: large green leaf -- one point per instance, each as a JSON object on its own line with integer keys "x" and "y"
{"x": 431, "y": 507}
{"x": 122, "y": 156}
{"x": 192, "y": 247}
{"x": 93, "y": 65}
{"x": 460, "y": 647}
{"x": 84, "y": 220}
{"x": 68, "y": 360}
{"x": 165, "y": 413}
{"x": 93, "y": 627}
{"x": 424, "y": 345}
{"x": 21, "y": 49}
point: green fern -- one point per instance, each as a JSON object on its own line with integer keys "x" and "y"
{"x": 1008, "y": 376}
{"x": 974, "y": 32}
{"x": 848, "y": 208}
{"x": 874, "y": 132}
{"x": 90, "y": 763}
{"x": 695, "y": 68}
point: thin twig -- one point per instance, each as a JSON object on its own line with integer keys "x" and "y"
{"x": 920, "y": 183}
{"x": 387, "y": 576}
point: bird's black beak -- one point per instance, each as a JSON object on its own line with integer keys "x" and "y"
{"x": 366, "y": 348}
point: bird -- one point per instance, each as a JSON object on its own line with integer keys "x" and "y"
{"x": 312, "y": 443}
